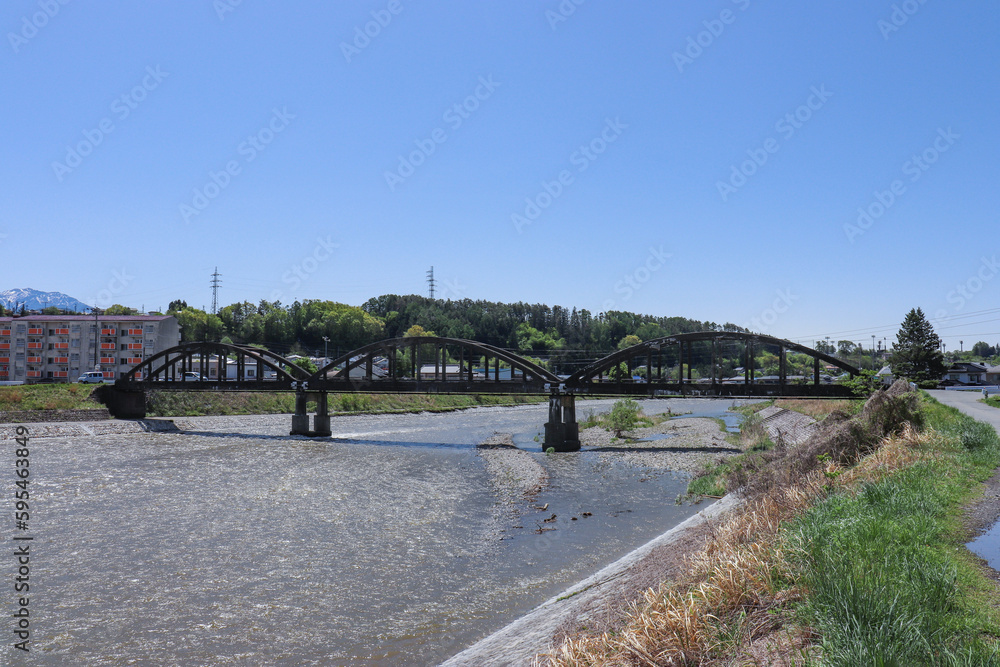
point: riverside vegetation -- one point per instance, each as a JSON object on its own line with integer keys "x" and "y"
{"x": 848, "y": 551}
{"x": 196, "y": 403}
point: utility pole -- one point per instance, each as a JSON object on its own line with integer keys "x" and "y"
{"x": 430, "y": 281}
{"x": 97, "y": 337}
{"x": 215, "y": 291}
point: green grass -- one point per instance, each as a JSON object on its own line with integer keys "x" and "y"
{"x": 63, "y": 396}
{"x": 195, "y": 403}
{"x": 73, "y": 396}
{"x": 889, "y": 581}
{"x": 752, "y": 437}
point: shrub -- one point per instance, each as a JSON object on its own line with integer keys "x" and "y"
{"x": 623, "y": 417}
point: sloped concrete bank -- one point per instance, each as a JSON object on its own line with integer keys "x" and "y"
{"x": 591, "y": 600}
{"x": 72, "y": 429}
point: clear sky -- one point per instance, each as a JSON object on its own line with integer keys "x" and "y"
{"x": 806, "y": 169}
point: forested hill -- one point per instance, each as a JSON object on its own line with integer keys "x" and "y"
{"x": 564, "y": 336}
{"x": 532, "y": 328}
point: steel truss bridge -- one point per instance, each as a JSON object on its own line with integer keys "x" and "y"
{"x": 435, "y": 365}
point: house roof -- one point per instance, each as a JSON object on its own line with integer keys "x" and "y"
{"x": 966, "y": 367}
{"x": 86, "y": 318}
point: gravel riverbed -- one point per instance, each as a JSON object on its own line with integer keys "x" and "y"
{"x": 682, "y": 445}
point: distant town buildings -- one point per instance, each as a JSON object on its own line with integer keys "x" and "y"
{"x": 61, "y": 348}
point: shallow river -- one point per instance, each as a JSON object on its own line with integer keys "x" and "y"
{"x": 233, "y": 543}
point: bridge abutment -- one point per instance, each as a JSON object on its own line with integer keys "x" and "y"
{"x": 562, "y": 433}
{"x": 124, "y": 404}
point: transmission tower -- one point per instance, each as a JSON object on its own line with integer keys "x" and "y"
{"x": 215, "y": 291}
{"x": 430, "y": 281}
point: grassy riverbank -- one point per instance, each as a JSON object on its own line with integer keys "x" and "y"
{"x": 197, "y": 403}
{"x": 47, "y": 397}
{"x": 194, "y": 403}
{"x": 849, "y": 551}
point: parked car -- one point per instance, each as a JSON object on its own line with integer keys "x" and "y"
{"x": 93, "y": 377}
{"x": 192, "y": 377}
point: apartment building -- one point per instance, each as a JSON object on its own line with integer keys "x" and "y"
{"x": 63, "y": 347}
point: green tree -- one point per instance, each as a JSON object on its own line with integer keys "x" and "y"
{"x": 865, "y": 384}
{"x": 916, "y": 354}
{"x": 628, "y": 341}
{"x": 176, "y": 306}
{"x": 119, "y": 309}
{"x": 197, "y": 325}
{"x": 623, "y": 417}
{"x": 983, "y": 349}
{"x": 306, "y": 364}
{"x": 416, "y": 331}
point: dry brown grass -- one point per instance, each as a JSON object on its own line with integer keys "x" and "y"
{"x": 727, "y": 610}
{"x": 740, "y": 576}
{"x": 752, "y": 432}
{"x": 817, "y": 408}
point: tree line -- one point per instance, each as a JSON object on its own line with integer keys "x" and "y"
{"x": 563, "y": 336}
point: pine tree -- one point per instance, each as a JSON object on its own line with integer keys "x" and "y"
{"x": 916, "y": 354}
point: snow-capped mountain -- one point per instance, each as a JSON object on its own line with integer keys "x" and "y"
{"x": 36, "y": 300}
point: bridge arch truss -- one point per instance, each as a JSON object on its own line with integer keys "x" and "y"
{"x": 668, "y": 364}
{"x": 268, "y": 371}
{"x": 432, "y": 364}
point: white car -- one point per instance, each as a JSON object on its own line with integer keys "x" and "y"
{"x": 93, "y": 377}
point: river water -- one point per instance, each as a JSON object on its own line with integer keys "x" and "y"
{"x": 234, "y": 543}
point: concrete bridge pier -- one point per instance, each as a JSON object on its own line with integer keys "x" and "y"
{"x": 300, "y": 420}
{"x": 562, "y": 433}
{"x": 321, "y": 422}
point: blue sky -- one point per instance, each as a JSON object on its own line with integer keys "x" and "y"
{"x": 711, "y": 160}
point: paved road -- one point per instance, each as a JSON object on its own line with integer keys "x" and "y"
{"x": 968, "y": 402}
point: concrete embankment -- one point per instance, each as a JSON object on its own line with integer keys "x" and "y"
{"x": 587, "y": 601}
{"x": 602, "y": 596}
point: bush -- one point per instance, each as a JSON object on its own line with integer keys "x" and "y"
{"x": 840, "y": 439}
{"x": 623, "y": 417}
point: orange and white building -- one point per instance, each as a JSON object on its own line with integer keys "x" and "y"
{"x": 61, "y": 348}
